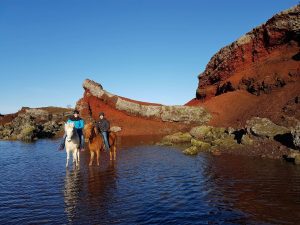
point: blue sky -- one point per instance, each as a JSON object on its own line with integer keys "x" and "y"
{"x": 148, "y": 50}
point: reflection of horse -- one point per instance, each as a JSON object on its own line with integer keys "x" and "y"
{"x": 101, "y": 184}
{"x": 71, "y": 193}
{"x": 96, "y": 143}
{"x": 72, "y": 143}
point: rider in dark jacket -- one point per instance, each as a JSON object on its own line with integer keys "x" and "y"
{"x": 103, "y": 126}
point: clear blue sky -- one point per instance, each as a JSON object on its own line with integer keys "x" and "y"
{"x": 149, "y": 50}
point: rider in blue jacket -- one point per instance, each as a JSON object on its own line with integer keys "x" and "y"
{"x": 79, "y": 125}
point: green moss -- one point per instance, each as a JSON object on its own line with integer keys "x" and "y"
{"x": 203, "y": 146}
{"x": 193, "y": 150}
{"x": 177, "y": 138}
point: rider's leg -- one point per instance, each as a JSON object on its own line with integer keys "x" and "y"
{"x": 62, "y": 144}
{"x": 104, "y": 135}
{"x": 81, "y": 139}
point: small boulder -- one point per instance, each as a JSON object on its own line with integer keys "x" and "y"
{"x": 177, "y": 138}
{"x": 226, "y": 143}
{"x": 208, "y": 133}
{"x": 193, "y": 150}
{"x": 294, "y": 156}
{"x": 296, "y": 135}
{"x": 27, "y": 133}
{"x": 115, "y": 129}
{"x": 203, "y": 146}
{"x": 264, "y": 127}
{"x": 246, "y": 140}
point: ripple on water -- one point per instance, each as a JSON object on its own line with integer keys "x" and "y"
{"x": 147, "y": 185}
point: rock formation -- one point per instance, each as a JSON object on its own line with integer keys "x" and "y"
{"x": 281, "y": 32}
{"x": 33, "y": 123}
{"x": 257, "y": 75}
{"x": 135, "y": 117}
{"x": 260, "y": 137}
{"x": 185, "y": 114}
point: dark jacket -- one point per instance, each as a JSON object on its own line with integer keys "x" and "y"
{"x": 103, "y": 125}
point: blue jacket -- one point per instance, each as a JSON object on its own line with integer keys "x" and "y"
{"x": 78, "y": 122}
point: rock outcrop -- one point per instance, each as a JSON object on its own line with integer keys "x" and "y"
{"x": 135, "y": 117}
{"x": 256, "y": 76}
{"x": 186, "y": 114}
{"x": 33, "y": 123}
{"x": 281, "y": 31}
{"x": 259, "y": 137}
{"x": 264, "y": 127}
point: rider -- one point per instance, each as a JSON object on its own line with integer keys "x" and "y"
{"x": 78, "y": 124}
{"x": 103, "y": 127}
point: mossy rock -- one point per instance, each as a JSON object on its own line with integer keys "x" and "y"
{"x": 27, "y": 133}
{"x": 228, "y": 142}
{"x": 208, "y": 133}
{"x": 193, "y": 150}
{"x": 177, "y": 138}
{"x": 264, "y": 127}
{"x": 246, "y": 140}
{"x": 294, "y": 154}
{"x": 203, "y": 146}
{"x": 200, "y": 131}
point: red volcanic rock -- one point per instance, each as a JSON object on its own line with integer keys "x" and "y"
{"x": 135, "y": 117}
{"x": 252, "y": 55}
{"x": 257, "y": 75}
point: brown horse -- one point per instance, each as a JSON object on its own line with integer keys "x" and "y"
{"x": 96, "y": 143}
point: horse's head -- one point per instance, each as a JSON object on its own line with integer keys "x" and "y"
{"x": 69, "y": 130}
{"x": 89, "y": 132}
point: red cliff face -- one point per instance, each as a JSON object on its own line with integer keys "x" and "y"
{"x": 257, "y": 75}
{"x": 270, "y": 45}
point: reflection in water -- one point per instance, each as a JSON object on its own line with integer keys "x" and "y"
{"x": 146, "y": 185}
{"x": 101, "y": 187}
{"x": 71, "y": 192}
{"x": 266, "y": 190}
{"x": 89, "y": 192}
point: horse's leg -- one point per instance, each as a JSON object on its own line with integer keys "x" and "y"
{"x": 74, "y": 157}
{"x": 78, "y": 155}
{"x": 91, "y": 158}
{"x": 68, "y": 157}
{"x": 111, "y": 154}
{"x": 115, "y": 151}
{"x": 98, "y": 157}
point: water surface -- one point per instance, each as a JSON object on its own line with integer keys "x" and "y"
{"x": 147, "y": 185}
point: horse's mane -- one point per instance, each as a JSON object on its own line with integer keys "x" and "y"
{"x": 69, "y": 125}
{"x": 93, "y": 133}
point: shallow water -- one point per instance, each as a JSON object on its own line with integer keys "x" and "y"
{"x": 147, "y": 185}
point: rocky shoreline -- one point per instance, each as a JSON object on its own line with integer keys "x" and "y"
{"x": 30, "y": 124}
{"x": 260, "y": 137}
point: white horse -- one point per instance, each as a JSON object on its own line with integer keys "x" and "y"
{"x": 72, "y": 143}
